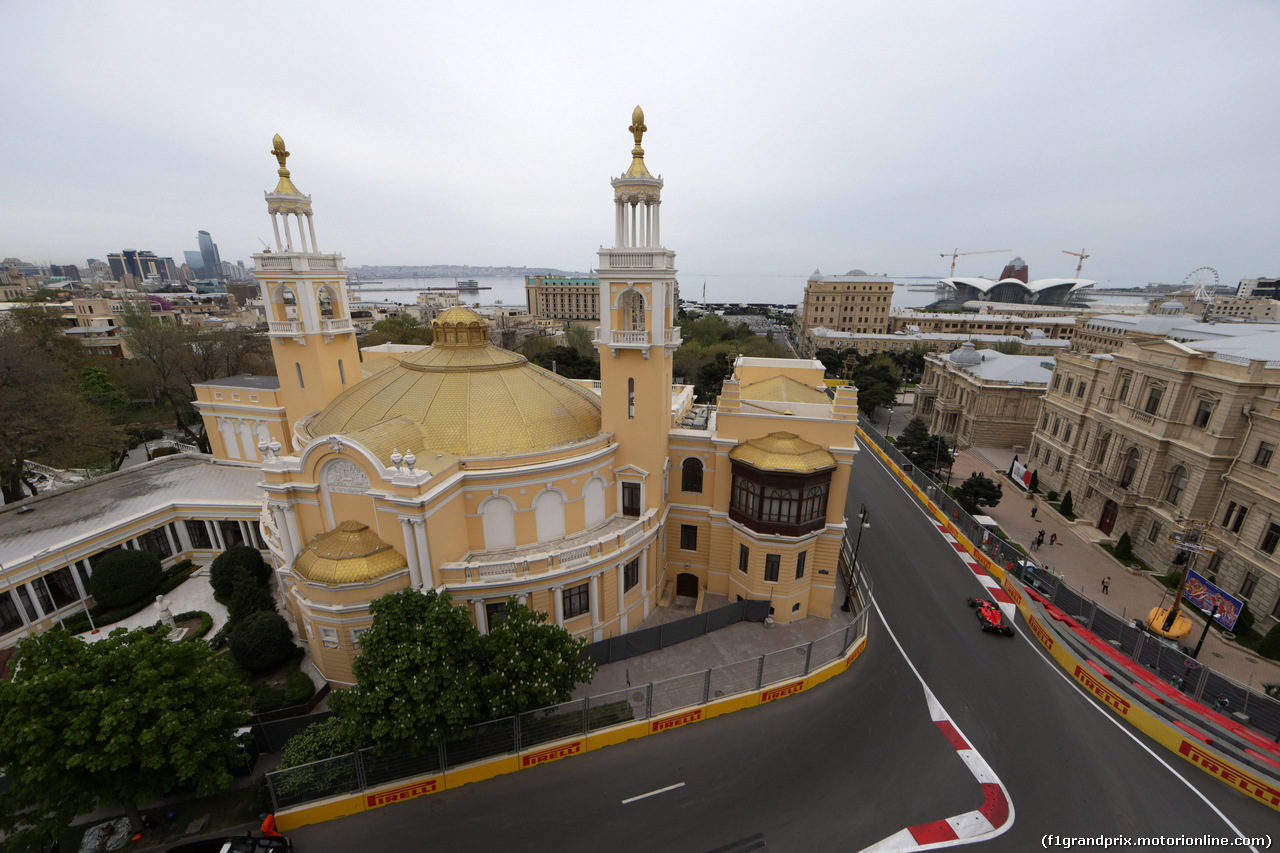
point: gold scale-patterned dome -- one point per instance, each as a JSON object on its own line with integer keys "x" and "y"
{"x": 783, "y": 451}
{"x": 462, "y": 396}
{"x": 350, "y": 553}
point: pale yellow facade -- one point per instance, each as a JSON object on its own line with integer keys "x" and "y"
{"x": 461, "y": 467}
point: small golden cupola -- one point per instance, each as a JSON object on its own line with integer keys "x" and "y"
{"x": 350, "y": 553}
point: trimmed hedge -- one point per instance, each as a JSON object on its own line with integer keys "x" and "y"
{"x": 237, "y": 566}
{"x": 297, "y": 690}
{"x": 261, "y": 641}
{"x": 123, "y": 577}
{"x": 249, "y": 599}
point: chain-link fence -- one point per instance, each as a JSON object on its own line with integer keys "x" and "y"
{"x": 366, "y": 769}
{"x": 1195, "y": 679}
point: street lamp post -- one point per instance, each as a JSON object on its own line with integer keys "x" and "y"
{"x": 864, "y": 516}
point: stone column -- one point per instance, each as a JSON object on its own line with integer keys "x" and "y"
{"x": 424, "y": 553}
{"x": 644, "y": 581}
{"x": 557, "y": 600}
{"x": 214, "y": 538}
{"x": 282, "y": 529}
{"x": 622, "y": 583}
{"x": 75, "y": 577}
{"x": 478, "y": 604}
{"x": 184, "y": 540}
{"x": 311, "y": 226}
{"x": 291, "y": 521}
{"x": 595, "y": 606}
{"x": 657, "y": 231}
{"x": 411, "y": 552}
{"x": 275, "y": 226}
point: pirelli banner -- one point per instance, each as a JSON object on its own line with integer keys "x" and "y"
{"x": 1093, "y": 680}
{"x": 409, "y": 789}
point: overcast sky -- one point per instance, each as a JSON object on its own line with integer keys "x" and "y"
{"x": 790, "y": 135}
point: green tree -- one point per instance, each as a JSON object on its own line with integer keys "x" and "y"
{"x": 1034, "y": 484}
{"x": 237, "y": 566}
{"x": 1009, "y": 347}
{"x": 328, "y": 738}
{"x": 45, "y": 420}
{"x": 261, "y": 641}
{"x": 529, "y": 664}
{"x": 832, "y": 360}
{"x": 1124, "y": 547}
{"x": 913, "y": 436}
{"x": 122, "y": 577}
{"x": 978, "y": 491}
{"x": 417, "y": 678}
{"x": 400, "y": 329}
{"x": 1270, "y": 645}
{"x": 1067, "y": 507}
{"x": 123, "y": 720}
{"x": 878, "y": 382}
{"x": 711, "y": 376}
{"x": 932, "y": 455}
{"x": 577, "y": 337}
{"x": 99, "y": 391}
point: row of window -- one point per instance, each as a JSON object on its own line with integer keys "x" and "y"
{"x": 772, "y": 564}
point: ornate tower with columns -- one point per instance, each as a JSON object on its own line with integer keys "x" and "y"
{"x": 637, "y": 334}
{"x": 305, "y": 296}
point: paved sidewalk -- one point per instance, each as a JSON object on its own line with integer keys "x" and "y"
{"x": 1132, "y": 593}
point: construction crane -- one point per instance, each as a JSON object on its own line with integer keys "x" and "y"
{"x": 1081, "y": 255}
{"x": 959, "y": 254}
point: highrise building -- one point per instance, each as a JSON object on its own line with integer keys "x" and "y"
{"x": 139, "y": 264}
{"x": 210, "y": 259}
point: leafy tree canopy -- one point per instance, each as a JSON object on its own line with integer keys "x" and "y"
{"x": 528, "y": 663}
{"x": 100, "y": 391}
{"x": 417, "y": 675}
{"x": 122, "y": 577}
{"x": 401, "y": 329}
{"x": 913, "y": 435}
{"x": 125, "y": 719}
{"x": 978, "y": 491}
{"x": 1009, "y": 347}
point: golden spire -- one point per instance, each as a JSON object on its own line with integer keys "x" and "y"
{"x": 285, "y": 187}
{"x": 637, "y": 129}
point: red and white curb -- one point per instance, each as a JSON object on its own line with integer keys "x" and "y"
{"x": 994, "y": 817}
{"x": 990, "y": 819}
{"x": 992, "y": 585}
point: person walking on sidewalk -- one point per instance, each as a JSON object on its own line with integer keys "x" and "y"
{"x": 1053, "y": 539}
{"x": 1106, "y": 585}
{"x": 1034, "y": 510}
{"x": 1035, "y": 542}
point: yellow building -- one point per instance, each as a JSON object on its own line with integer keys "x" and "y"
{"x": 464, "y": 468}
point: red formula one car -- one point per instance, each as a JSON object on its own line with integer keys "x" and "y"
{"x": 990, "y": 617}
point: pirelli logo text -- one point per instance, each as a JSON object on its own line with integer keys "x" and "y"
{"x": 779, "y": 692}
{"x": 1041, "y": 634}
{"x": 408, "y": 792}
{"x": 1014, "y": 593}
{"x": 676, "y": 721}
{"x": 1255, "y": 788}
{"x": 551, "y": 754}
{"x": 853, "y": 655}
{"x": 1101, "y": 690}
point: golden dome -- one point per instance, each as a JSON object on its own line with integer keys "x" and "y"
{"x": 351, "y": 553}
{"x": 462, "y": 396}
{"x": 783, "y": 451}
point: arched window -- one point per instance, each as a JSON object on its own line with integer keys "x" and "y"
{"x": 593, "y": 501}
{"x": 498, "y": 518}
{"x": 691, "y": 476}
{"x": 548, "y": 509}
{"x": 1177, "y": 485}
{"x": 1130, "y": 468}
{"x": 632, "y": 305}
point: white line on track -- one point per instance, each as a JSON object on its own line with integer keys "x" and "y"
{"x": 1035, "y": 644}
{"x": 654, "y": 793}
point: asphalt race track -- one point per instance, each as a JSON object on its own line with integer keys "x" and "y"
{"x": 852, "y": 761}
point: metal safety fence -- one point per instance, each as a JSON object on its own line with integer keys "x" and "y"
{"x": 368, "y": 769}
{"x": 1254, "y": 708}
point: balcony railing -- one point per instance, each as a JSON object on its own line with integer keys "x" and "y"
{"x": 285, "y": 327}
{"x": 337, "y": 324}
{"x": 618, "y": 337}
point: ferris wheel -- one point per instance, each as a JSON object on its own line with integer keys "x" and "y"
{"x": 1203, "y": 281}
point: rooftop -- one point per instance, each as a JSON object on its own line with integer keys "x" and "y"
{"x": 245, "y": 380}
{"x": 82, "y": 510}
